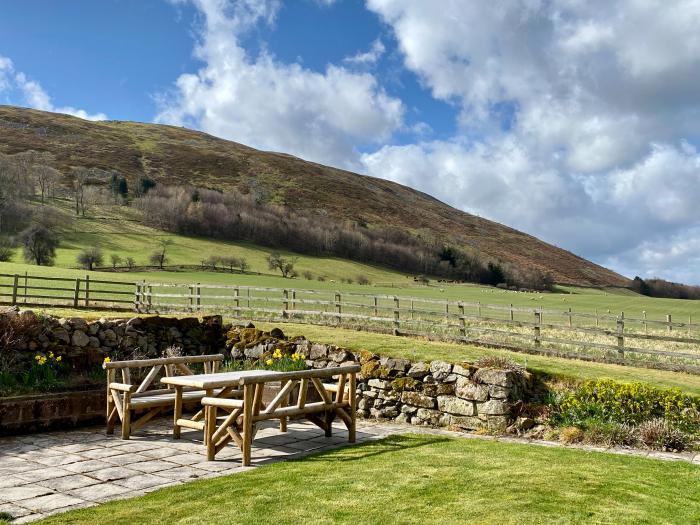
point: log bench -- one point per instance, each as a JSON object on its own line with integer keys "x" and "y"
{"x": 125, "y": 399}
{"x": 242, "y": 416}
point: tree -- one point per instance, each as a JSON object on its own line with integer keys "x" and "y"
{"x": 275, "y": 261}
{"x": 90, "y": 258}
{"x": 130, "y": 263}
{"x": 145, "y": 184}
{"x": 39, "y": 243}
{"x": 6, "y": 250}
{"x": 160, "y": 257}
{"x": 243, "y": 264}
{"x": 80, "y": 176}
{"x": 46, "y": 177}
{"x": 116, "y": 260}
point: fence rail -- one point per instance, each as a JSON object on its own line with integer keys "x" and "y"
{"x": 599, "y": 335}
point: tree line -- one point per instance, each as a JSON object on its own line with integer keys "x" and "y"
{"x": 661, "y": 288}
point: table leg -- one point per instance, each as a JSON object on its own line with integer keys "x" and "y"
{"x": 209, "y": 393}
{"x": 177, "y": 412}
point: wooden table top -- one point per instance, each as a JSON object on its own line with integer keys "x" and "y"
{"x": 221, "y": 379}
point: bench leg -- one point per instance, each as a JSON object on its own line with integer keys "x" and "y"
{"x": 248, "y": 395}
{"x": 126, "y": 423}
{"x": 209, "y": 429}
{"x": 177, "y": 412}
{"x": 352, "y": 398}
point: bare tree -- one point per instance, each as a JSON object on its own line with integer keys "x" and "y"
{"x": 6, "y": 250}
{"x": 116, "y": 260}
{"x": 46, "y": 177}
{"x": 90, "y": 258}
{"x": 130, "y": 263}
{"x": 80, "y": 176}
{"x": 160, "y": 257}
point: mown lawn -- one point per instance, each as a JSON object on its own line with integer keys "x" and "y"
{"x": 426, "y": 479}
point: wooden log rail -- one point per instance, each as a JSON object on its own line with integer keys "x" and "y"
{"x": 242, "y": 416}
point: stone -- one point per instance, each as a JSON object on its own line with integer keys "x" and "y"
{"x": 390, "y": 395}
{"x": 395, "y": 364}
{"x": 255, "y": 352}
{"x": 318, "y": 351}
{"x": 418, "y": 400}
{"x": 419, "y": 370}
{"x": 93, "y": 342}
{"x": 408, "y": 409}
{"x": 467, "y": 389}
{"x": 108, "y": 337}
{"x": 455, "y": 405}
{"x": 426, "y": 416}
{"x": 499, "y": 392}
{"x": 524, "y": 423}
{"x": 493, "y": 407}
{"x": 61, "y": 334}
{"x": 78, "y": 323}
{"x": 445, "y": 389}
{"x": 403, "y": 418}
{"x": 440, "y": 370}
{"x": 79, "y": 338}
{"x": 492, "y": 376}
{"x": 463, "y": 422}
{"x": 381, "y": 384}
{"x": 389, "y": 412}
{"x": 340, "y": 355}
{"x": 93, "y": 328}
{"x": 464, "y": 370}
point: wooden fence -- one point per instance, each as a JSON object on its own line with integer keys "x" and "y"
{"x": 665, "y": 343}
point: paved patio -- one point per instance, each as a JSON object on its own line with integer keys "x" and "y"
{"x": 43, "y": 474}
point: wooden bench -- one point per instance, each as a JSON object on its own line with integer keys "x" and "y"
{"x": 243, "y": 415}
{"x": 126, "y": 398}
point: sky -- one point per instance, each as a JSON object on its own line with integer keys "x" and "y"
{"x": 577, "y": 121}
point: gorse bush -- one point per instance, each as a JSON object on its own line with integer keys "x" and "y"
{"x": 629, "y": 403}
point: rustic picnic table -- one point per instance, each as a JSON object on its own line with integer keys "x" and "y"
{"x": 218, "y": 385}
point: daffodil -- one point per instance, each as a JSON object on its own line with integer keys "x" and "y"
{"x": 107, "y": 360}
{"x": 37, "y": 357}
{"x": 59, "y": 359}
{"x": 268, "y": 362}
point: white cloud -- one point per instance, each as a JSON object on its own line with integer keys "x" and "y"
{"x": 597, "y": 157}
{"x": 321, "y": 116}
{"x": 33, "y": 95}
{"x": 368, "y": 57}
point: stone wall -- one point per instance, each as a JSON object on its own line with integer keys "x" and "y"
{"x": 54, "y": 411}
{"x": 431, "y": 394}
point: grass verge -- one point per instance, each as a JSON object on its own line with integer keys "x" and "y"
{"x": 426, "y": 479}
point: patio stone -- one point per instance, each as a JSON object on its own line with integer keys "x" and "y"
{"x": 90, "y": 465}
{"x": 75, "y": 481}
{"x": 142, "y": 482}
{"x": 41, "y": 473}
{"x": 51, "y": 502}
{"x": 99, "y": 493}
{"x": 114, "y": 473}
{"x": 15, "y": 494}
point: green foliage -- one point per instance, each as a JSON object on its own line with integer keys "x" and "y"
{"x": 39, "y": 243}
{"x": 44, "y": 372}
{"x": 629, "y": 403}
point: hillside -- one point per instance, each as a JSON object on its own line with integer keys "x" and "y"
{"x": 172, "y": 155}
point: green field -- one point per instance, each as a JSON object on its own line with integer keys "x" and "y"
{"x": 426, "y": 479}
{"x": 117, "y": 229}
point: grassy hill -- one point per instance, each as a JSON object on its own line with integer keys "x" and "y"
{"x": 172, "y": 155}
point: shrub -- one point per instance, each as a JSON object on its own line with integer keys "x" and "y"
{"x": 307, "y": 275}
{"x": 130, "y": 263}
{"x": 362, "y": 279}
{"x": 658, "y": 433}
{"x": 609, "y": 433}
{"x": 630, "y": 403}
{"x": 90, "y": 258}
{"x": 570, "y": 435}
{"x": 499, "y": 362}
{"x": 116, "y": 260}
{"x": 39, "y": 244}
{"x": 321, "y": 278}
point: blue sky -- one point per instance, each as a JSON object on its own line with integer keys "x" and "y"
{"x": 559, "y": 118}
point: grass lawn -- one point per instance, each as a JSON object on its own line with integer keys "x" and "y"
{"x": 422, "y": 350}
{"x": 426, "y": 479}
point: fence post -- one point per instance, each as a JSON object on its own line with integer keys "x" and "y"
{"x": 285, "y": 302}
{"x": 14, "y": 289}
{"x": 199, "y": 297}
{"x": 190, "y": 289}
{"x": 644, "y": 316}
{"x": 478, "y": 309}
{"x": 597, "y": 320}
{"x": 237, "y": 300}
{"x": 76, "y": 293}
{"x": 570, "y": 317}
{"x": 137, "y": 294}
{"x": 149, "y": 298}
{"x": 26, "y": 276}
{"x": 338, "y": 307}
{"x": 294, "y": 299}
{"x": 511, "y": 312}
{"x": 463, "y": 321}
{"x": 376, "y": 310}
{"x": 620, "y": 335}
{"x": 538, "y": 321}
{"x": 397, "y": 315}
{"x": 87, "y": 290}
{"x": 668, "y": 320}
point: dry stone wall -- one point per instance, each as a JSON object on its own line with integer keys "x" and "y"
{"x": 430, "y": 394}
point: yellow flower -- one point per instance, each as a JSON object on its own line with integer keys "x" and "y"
{"x": 295, "y": 356}
{"x": 42, "y": 361}
{"x": 277, "y": 354}
{"x": 37, "y": 357}
{"x": 107, "y": 360}
{"x": 302, "y": 356}
{"x": 58, "y": 359}
{"x": 51, "y": 355}
{"x": 268, "y": 362}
